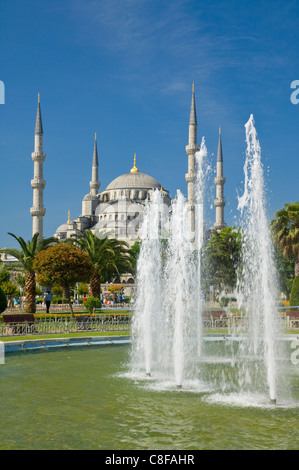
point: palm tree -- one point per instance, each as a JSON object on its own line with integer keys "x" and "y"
{"x": 109, "y": 257}
{"x": 285, "y": 229}
{"x": 25, "y": 256}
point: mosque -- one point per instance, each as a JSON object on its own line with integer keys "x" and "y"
{"x": 116, "y": 211}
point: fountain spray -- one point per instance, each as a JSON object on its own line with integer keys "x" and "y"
{"x": 257, "y": 282}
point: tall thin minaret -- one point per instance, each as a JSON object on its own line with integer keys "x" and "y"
{"x": 219, "y": 181}
{"x": 95, "y": 184}
{"x": 191, "y": 149}
{"x": 38, "y": 183}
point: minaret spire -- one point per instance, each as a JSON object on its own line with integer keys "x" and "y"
{"x": 219, "y": 181}
{"x": 38, "y": 123}
{"x": 134, "y": 169}
{"x": 193, "y": 118}
{"x": 38, "y": 183}
{"x": 95, "y": 184}
{"x": 191, "y": 149}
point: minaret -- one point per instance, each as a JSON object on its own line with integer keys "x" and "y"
{"x": 191, "y": 149}
{"x": 219, "y": 181}
{"x": 95, "y": 184}
{"x": 38, "y": 183}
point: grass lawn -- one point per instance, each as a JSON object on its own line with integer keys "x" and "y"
{"x": 65, "y": 335}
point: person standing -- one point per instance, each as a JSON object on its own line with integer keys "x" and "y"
{"x": 48, "y": 298}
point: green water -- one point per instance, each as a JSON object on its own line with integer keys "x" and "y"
{"x": 81, "y": 399}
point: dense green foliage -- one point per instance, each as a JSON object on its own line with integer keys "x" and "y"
{"x": 285, "y": 272}
{"x": 134, "y": 253}
{"x": 25, "y": 256}
{"x": 3, "y": 302}
{"x": 221, "y": 258}
{"x": 91, "y": 303}
{"x": 285, "y": 230}
{"x": 109, "y": 258}
{"x": 294, "y": 299}
{"x": 4, "y": 274}
{"x": 62, "y": 265}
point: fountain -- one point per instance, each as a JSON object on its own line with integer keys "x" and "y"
{"x": 167, "y": 334}
{"x": 258, "y": 287}
{"x": 169, "y": 298}
{"x": 149, "y": 271}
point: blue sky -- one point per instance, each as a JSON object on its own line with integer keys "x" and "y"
{"x": 124, "y": 69}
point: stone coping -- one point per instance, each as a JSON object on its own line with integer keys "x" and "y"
{"x": 45, "y": 344}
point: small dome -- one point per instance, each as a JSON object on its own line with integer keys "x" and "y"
{"x": 63, "y": 228}
{"x": 90, "y": 197}
{"x": 134, "y": 181}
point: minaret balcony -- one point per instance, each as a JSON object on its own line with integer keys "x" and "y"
{"x": 219, "y": 202}
{"x": 191, "y": 149}
{"x": 219, "y": 180}
{"x": 38, "y": 157}
{"x": 94, "y": 185}
{"x": 37, "y": 183}
{"x": 34, "y": 211}
{"x": 190, "y": 178}
{"x": 219, "y": 226}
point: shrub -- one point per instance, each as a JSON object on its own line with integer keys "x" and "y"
{"x": 115, "y": 288}
{"x": 92, "y": 303}
{"x": 3, "y": 301}
{"x": 224, "y": 301}
{"x": 294, "y": 300}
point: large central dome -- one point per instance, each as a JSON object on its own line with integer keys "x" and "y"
{"x": 134, "y": 181}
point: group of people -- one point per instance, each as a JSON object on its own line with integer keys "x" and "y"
{"x": 110, "y": 300}
{"x": 113, "y": 299}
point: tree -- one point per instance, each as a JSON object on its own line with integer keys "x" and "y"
{"x": 57, "y": 291}
{"x": 4, "y": 273}
{"x": 285, "y": 230}
{"x": 285, "y": 271}
{"x": 221, "y": 257}
{"x": 3, "y": 301}
{"x": 62, "y": 265}
{"x": 134, "y": 254}
{"x": 108, "y": 257}
{"x": 9, "y": 289}
{"x": 25, "y": 256}
{"x": 83, "y": 289}
{"x": 294, "y": 299}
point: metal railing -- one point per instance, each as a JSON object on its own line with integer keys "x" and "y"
{"x": 106, "y": 321}
{"x": 66, "y": 325}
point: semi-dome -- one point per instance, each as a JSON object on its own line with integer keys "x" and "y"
{"x": 134, "y": 181}
{"x": 90, "y": 197}
{"x": 63, "y": 228}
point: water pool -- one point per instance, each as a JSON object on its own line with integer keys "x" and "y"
{"x": 85, "y": 398}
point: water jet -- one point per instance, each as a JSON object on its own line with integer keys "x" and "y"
{"x": 167, "y": 324}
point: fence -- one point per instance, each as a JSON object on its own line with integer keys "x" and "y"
{"x": 63, "y": 325}
{"x": 212, "y": 319}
